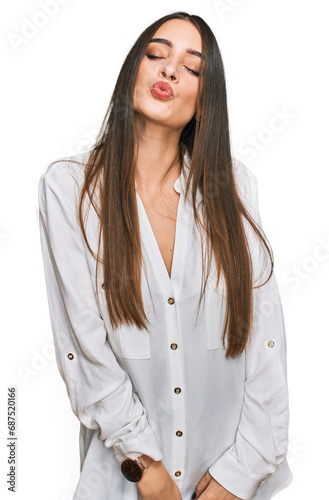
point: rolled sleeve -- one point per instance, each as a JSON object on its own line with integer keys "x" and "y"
{"x": 262, "y": 435}
{"x": 99, "y": 390}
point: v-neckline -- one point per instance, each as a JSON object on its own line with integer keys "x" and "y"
{"x": 170, "y": 285}
{"x": 161, "y": 265}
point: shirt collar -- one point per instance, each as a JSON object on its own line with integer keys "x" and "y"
{"x": 180, "y": 183}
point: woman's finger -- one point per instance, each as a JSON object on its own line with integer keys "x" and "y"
{"x": 202, "y": 484}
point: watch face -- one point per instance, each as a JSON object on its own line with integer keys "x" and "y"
{"x": 131, "y": 470}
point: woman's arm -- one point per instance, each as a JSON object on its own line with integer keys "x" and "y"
{"x": 100, "y": 391}
{"x": 262, "y": 435}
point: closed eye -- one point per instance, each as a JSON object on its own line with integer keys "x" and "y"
{"x": 151, "y": 56}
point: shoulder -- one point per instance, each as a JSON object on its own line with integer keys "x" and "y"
{"x": 246, "y": 181}
{"x": 244, "y": 176}
{"x": 64, "y": 177}
{"x": 64, "y": 171}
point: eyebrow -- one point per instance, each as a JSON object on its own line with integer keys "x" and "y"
{"x": 170, "y": 44}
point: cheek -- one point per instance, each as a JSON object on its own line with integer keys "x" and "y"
{"x": 142, "y": 82}
{"x": 139, "y": 93}
{"x": 189, "y": 98}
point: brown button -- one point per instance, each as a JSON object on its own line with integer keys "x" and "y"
{"x": 178, "y": 473}
{"x": 177, "y": 390}
{"x": 271, "y": 343}
{"x": 179, "y": 433}
{"x": 173, "y": 346}
{"x": 171, "y": 300}
{"x": 70, "y": 355}
{"x": 103, "y": 285}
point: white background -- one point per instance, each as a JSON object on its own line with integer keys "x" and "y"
{"x": 58, "y": 73}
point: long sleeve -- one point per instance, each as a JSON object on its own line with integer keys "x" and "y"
{"x": 100, "y": 391}
{"x": 262, "y": 434}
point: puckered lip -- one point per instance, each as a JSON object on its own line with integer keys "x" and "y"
{"x": 163, "y": 86}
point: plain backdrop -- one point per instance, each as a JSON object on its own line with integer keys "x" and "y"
{"x": 60, "y": 62}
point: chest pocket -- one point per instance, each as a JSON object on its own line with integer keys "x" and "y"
{"x": 135, "y": 343}
{"x": 215, "y": 308}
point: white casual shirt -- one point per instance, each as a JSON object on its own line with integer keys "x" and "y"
{"x": 167, "y": 392}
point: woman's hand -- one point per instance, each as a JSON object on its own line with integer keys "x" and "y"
{"x": 209, "y": 488}
{"x": 157, "y": 484}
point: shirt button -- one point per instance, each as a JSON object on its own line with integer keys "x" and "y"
{"x": 173, "y": 346}
{"x": 178, "y": 473}
{"x": 271, "y": 343}
{"x": 177, "y": 390}
{"x": 179, "y": 433}
{"x": 171, "y": 300}
{"x": 103, "y": 286}
{"x": 70, "y": 356}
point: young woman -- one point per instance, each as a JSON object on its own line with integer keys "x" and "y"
{"x": 165, "y": 311}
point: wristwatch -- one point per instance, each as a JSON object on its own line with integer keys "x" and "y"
{"x": 133, "y": 468}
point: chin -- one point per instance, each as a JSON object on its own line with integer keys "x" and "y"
{"x": 155, "y": 111}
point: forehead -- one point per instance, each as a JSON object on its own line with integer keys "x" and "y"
{"x": 181, "y": 33}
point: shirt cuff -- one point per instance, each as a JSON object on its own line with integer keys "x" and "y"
{"x": 144, "y": 444}
{"x": 234, "y": 478}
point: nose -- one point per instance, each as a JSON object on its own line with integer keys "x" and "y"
{"x": 168, "y": 72}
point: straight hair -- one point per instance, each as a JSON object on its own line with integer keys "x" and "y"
{"x": 109, "y": 182}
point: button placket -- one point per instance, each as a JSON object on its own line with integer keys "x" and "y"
{"x": 176, "y": 370}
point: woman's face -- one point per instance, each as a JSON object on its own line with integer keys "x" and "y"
{"x": 175, "y": 66}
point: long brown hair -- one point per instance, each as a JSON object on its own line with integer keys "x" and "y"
{"x": 109, "y": 172}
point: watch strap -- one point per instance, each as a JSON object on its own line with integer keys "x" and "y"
{"x": 145, "y": 461}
